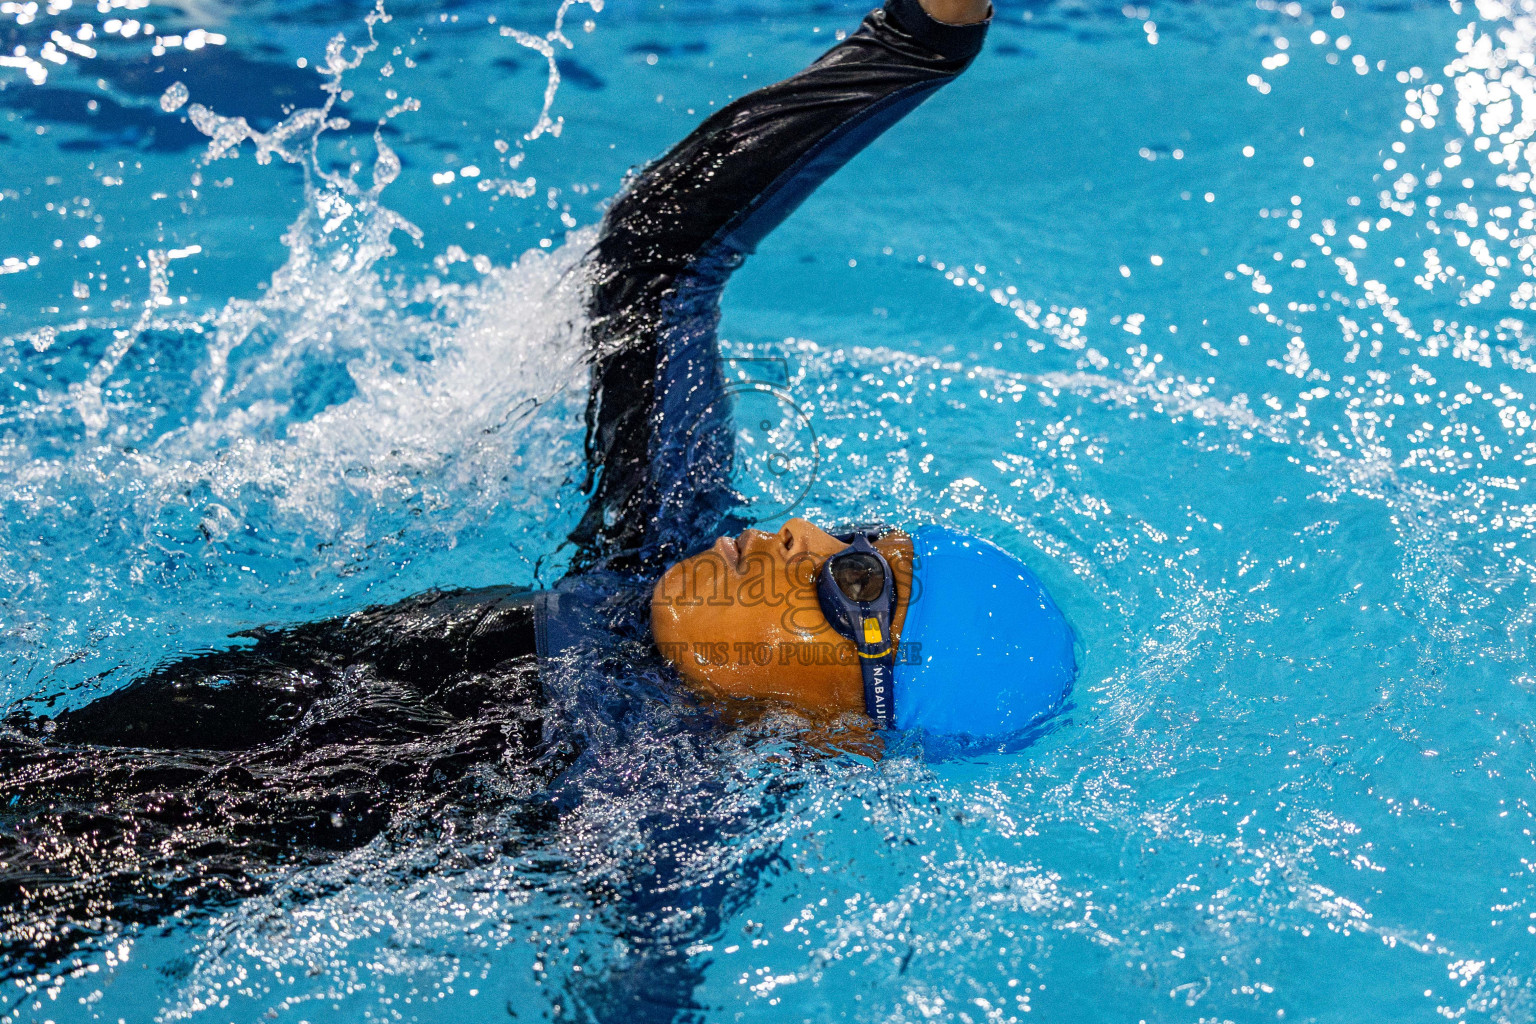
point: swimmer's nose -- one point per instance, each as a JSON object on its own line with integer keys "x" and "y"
{"x": 802, "y": 537}
{"x": 797, "y": 541}
{"x": 759, "y": 544}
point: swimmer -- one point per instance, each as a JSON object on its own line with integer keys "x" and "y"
{"x": 310, "y": 740}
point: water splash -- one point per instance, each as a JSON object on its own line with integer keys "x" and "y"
{"x": 545, "y": 47}
{"x": 87, "y": 394}
{"x": 339, "y": 406}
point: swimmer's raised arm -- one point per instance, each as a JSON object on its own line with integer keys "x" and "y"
{"x": 657, "y": 445}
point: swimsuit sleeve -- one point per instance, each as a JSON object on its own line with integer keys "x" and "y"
{"x": 451, "y": 652}
{"x": 659, "y": 441}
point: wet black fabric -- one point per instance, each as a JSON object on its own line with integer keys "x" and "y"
{"x": 194, "y": 785}
{"x": 448, "y": 653}
{"x": 670, "y": 242}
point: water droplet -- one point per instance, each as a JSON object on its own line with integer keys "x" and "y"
{"x": 174, "y": 97}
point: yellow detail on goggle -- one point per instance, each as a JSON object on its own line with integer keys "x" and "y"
{"x": 872, "y": 631}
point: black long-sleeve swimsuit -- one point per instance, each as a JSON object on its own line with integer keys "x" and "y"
{"x": 179, "y": 789}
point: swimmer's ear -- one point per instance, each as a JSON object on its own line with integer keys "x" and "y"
{"x": 736, "y": 713}
{"x": 848, "y": 734}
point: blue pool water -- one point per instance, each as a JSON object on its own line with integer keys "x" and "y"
{"x": 1214, "y": 313}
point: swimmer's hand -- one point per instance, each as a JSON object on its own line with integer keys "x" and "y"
{"x": 957, "y": 12}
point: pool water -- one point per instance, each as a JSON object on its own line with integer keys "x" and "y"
{"x": 1216, "y": 314}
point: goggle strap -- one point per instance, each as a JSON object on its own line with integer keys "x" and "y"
{"x": 880, "y": 689}
{"x": 877, "y": 659}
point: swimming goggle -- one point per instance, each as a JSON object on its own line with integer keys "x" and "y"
{"x": 857, "y": 591}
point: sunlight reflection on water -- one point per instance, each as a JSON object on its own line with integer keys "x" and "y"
{"x": 1215, "y": 317}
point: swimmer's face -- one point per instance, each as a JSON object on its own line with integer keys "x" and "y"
{"x": 741, "y": 620}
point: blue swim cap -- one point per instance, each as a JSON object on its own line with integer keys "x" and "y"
{"x": 994, "y": 654}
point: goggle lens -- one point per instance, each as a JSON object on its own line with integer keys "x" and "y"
{"x": 859, "y": 576}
